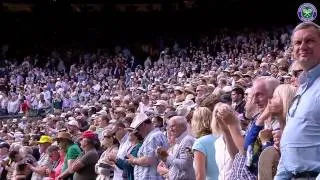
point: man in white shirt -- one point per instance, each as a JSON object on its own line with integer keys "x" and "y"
{"x": 144, "y": 105}
{"x": 13, "y": 105}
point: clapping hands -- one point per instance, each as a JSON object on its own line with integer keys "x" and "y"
{"x": 265, "y": 135}
{"x": 162, "y": 153}
{"x": 225, "y": 115}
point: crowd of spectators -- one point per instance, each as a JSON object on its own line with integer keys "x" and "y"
{"x": 214, "y": 109}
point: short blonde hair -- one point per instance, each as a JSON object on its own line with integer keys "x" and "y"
{"x": 201, "y": 121}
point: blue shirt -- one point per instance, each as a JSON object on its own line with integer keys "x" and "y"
{"x": 300, "y": 142}
{"x": 205, "y": 144}
{"x": 150, "y": 143}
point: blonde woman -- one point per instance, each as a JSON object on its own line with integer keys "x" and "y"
{"x": 280, "y": 102}
{"x": 204, "y": 151}
{"x": 223, "y": 158}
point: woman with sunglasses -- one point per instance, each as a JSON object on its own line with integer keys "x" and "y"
{"x": 126, "y": 164}
{"x": 104, "y": 167}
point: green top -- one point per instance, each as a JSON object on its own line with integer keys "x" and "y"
{"x": 73, "y": 152}
{"x": 124, "y": 165}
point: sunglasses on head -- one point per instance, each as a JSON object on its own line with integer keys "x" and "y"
{"x": 296, "y": 73}
{"x": 109, "y": 136}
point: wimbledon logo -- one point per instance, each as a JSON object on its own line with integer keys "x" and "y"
{"x": 307, "y": 12}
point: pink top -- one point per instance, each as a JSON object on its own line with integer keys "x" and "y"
{"x": 57, "y": 171}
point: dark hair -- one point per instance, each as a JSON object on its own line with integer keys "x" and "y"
{"x": 105, "y": 118}
{"x": 158, "y": 119}
{"x": 131, "y": 108}
{"x": 225, "y": 98}
{"x": 138, "y": 135}
{"x": 85, "y": 112}
{"x": 94, "y": 142}
{"x": 119, "y": 124}
{"x": 52, "y": 148}
{"x": 12, "y": 154}
{"x": 238, "y": 90}
{"x": 148, "y": 121}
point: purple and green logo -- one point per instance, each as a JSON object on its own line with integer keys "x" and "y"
{"x": 307, "y": 12}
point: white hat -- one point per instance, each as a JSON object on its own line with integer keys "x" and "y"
{"x": 14, "y": 120}
{"x": 141, "y": 89}
{"x": 18, "y": 136}
{"x": 51, "y": 116}
{"x": 102, "y": 112}
{"x": 227, "y": 89}
{"x": 93, "y": 116}
{"x": 183, "y": 111}
{"x": 179, "y": 88}
{"x": 189, "y": 97}
{"x": 44, "y": 120}
{"x": 71, "y": 119}
{"x": 161, "y": 103}
{"x": 189, "y": 104}
{"x": 73, "y": 122}
{"x": 117, "y": 98}
{"x": 138, "y": 120}
{"x": 63, "y": 115}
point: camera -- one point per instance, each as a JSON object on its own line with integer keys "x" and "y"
{"x": 103, "y": 165}
{"x": 22, "y": 166}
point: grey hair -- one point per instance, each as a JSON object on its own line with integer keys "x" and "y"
{"x": 180, "y": 120}
{"x": 25, "y": 150}
{"x": 270, "y": 82}
{"x": 306, "y": 25}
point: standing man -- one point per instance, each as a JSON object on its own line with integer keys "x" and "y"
{"x": 300, "y": 142}
{"x": 121, "y": 134}
{"x": 237, "y": 96}
{"x": 179, "y": 162}
{"x": 39, "y": 171}
{"x": 145, "y": 164}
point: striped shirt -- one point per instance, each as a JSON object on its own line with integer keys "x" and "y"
{"x": 153, "y": 140}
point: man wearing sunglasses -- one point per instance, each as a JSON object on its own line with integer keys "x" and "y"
{"x": 300, "y": 142}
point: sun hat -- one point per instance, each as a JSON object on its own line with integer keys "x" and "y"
{"x": 138, "y": 120}
{"x": 63, "y": 135}
{"x": 73, "y": 123}
{"x": 45, "y": 139}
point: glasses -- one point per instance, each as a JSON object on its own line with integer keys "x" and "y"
{"x": 294, "y": 105}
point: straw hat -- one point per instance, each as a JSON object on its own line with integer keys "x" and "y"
{"x": 138, "y": 120}
{"x": 161, "y": 103}
{"x": 63, "y": 135}
{"x": 45, "y": 139}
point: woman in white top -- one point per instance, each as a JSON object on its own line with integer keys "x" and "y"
{"x": 223, "y": 158}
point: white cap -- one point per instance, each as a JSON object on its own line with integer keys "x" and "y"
{"x": 73, "y": 123}
{"x": 161, "y": 103}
